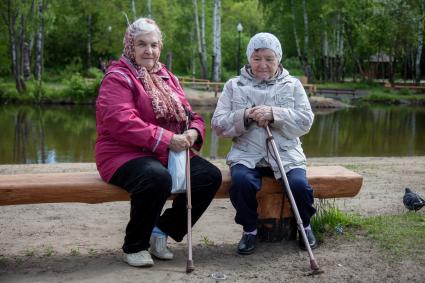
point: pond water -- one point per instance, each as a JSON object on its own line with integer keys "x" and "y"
{"x": 50, "y": 134}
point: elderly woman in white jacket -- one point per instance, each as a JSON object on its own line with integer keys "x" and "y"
{"x": 264, "y": 94}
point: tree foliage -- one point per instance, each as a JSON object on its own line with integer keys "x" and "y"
{"x": 341, "y": 35}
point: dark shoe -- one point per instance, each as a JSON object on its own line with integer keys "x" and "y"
{"x": 311, "y": 240}
{"x": 247, "y": 244}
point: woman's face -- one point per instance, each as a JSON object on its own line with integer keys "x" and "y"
{"x": 264, "y": 64}
{"x": 147, "y": 49}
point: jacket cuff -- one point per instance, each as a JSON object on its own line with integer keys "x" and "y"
{"x": 163, "y": 139}
{"x": 239, "y": 121}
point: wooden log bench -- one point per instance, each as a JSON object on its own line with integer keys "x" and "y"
{"x": 87, "y": 187}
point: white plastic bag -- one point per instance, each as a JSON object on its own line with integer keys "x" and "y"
{"x": 177, "y": 169}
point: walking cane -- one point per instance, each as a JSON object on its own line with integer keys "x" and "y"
{"x": 313, "y": 263}
{"x": 189, "y": 266}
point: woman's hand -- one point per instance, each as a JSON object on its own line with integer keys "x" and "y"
{"x": 262, "y": 114}
{"x": 191, "y": 135}
{"x": 179, "y": 143}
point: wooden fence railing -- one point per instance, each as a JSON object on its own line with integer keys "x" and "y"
{"x": 218, "y": 86}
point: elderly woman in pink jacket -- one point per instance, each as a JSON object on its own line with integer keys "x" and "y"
{"x": 141, "y": 116}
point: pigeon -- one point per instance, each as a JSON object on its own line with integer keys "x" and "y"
{"x": 412, "y": 201}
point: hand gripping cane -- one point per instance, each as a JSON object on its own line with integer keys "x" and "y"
{"x": 189, "y": 266}
{"x": 313, "y": 263}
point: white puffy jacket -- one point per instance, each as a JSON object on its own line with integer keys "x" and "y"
{"x": 292, "y": 115}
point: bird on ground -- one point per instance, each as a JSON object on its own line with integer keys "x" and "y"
{"x": 412, "y": 201}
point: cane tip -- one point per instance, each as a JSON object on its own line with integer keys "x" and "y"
{"x": 314, "y": 268}
{"x": 189, "y": 266}
{"x": 313, "y": 265}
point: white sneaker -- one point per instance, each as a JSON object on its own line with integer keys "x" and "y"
{"x": 159, "y": 248}
{"x": 142, "y": 258}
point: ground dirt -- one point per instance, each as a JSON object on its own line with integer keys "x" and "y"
{"x": 82, "y": 242}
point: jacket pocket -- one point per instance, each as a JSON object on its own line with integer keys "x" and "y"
{"x": 238, "y": 103}
{"x": 241, "y": 145}
{"x": 285, "y": 145}
{"x": 284, "y": 96}
{"x": 239, "y": 98}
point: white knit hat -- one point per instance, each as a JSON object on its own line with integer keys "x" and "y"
{"x": 264, "y": 40}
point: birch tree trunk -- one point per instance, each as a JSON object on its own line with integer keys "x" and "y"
{"x": 193, "y": 59}
{"x": 216, "y": 42}
{"x": 308, "y": 70}
{"x": 16, "y": 66}
{"x": 149, "y": 8}
{"x": 89, "y": 39}
{"x": 10, "y": 15}
{"x": 27, "y": 60}
{"x": 420, "y": 41}
{"x": 302, "y": 56}
{"x": 198, "y": 37}
{"x": 306, "y": 39}
{"x": 294, "y": 29}
{"x": 339, "y": 58}
{"x": 39, "y": 42}
{"x": 133, "y": 9}
{"x": 325, "y": 56}
{"x": 21, "y": 44}
{"x": 203, "y": 41}
{"x": 27, "y": 44}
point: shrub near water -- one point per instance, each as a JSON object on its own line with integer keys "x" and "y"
{"x": 81, "y": 89}
{"x": 76, "y": 87}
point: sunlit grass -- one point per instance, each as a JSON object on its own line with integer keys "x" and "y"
{"x": 330, "y": 220}
{"x": 403, "y": 235}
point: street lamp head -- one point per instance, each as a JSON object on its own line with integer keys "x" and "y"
{"x": 239, "y": 27}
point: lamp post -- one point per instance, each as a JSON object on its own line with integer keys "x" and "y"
{"x": 239, "y": 28}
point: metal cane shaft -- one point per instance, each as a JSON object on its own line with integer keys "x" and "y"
{"x": 189, "y": 266}
{"x": 289, "y": 194}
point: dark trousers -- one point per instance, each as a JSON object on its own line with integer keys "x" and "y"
{"x": 246, "y": 183}
{"x": 149, "y": 185}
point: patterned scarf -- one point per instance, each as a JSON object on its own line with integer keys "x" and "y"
{"x": 165, "y": 101}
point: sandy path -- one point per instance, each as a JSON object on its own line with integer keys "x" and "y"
{"x": 81, "y": 242}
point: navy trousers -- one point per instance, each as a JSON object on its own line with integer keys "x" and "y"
{"x": 149, "y": 185}
{"x": 246, "y": 183}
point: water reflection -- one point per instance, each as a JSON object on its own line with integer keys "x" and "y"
{"x": 377, "y": 131}
{"x": 67, "y": 134}
{"x": 46, "y": 134}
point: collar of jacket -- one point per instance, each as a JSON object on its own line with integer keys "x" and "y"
{"x": 162, "y": 73}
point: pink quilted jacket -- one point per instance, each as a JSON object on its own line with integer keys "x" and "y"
{"x": 126, "y": 124}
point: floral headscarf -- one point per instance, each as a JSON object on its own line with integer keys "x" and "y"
{"x": 165, "y": 102}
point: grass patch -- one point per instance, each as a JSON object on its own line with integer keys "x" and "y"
{"x": 380, "y": 95}
{"x": 75, "y": 252}
{"x": 403, "y": 235}
{"x": 48, "y": 251}
{"x": 3, "y": 260}
{"x": 30, "y": 253}
{"x": 329, "y": 220}
{"x": 73, "y": 88}
{"x": 206, "y": 241}
{"x": 350, "y": 85}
